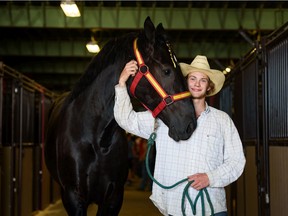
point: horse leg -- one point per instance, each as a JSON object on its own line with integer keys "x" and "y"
{"x": 112, "y": 202}
{"x": 73, "y": 204}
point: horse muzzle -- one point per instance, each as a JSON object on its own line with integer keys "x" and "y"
{"x": 182, "y": 133}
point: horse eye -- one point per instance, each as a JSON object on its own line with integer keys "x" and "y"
{"x": 167, "y": 72}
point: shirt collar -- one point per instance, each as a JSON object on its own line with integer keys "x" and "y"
{"x": 206, "y": 111}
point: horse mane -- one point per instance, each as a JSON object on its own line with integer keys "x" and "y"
{"x": 114, "y": 51}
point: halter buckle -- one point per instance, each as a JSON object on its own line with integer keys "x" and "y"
{"x": 168, "y": 100}
{"x": 143, "y": 69}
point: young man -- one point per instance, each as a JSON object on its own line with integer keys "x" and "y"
{"x": 212, "y": 157}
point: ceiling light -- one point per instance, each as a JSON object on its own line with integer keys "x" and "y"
{"x": 92, "y": 46}
{"x": 228, "y": 69}
{"x": 70, "y": 8}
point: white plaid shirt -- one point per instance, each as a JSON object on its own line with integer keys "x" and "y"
{"x": 214, "y": 148}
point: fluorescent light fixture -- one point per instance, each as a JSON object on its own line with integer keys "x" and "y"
{"x": 93, "y": 47}
{"x": 70, "y": 9}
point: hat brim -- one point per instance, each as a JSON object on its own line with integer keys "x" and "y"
{"x": 216, "y": 76}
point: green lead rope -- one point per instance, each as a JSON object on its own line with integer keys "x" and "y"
{"x": 185, "y": 192}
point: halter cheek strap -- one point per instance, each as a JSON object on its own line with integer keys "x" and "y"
{"x": 145, "y": 72}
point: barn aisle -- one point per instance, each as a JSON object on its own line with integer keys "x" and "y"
{"x": 136, "y": 203}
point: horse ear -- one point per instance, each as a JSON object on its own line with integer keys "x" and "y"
{"x": 160, "y": 31}
{"x": 149, "y": 30}
{"x": 160, "y": 28}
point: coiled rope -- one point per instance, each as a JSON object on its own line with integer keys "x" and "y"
{"x": 185, "y": 192}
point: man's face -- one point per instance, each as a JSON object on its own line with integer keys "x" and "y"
{"x": 198, "y": 84}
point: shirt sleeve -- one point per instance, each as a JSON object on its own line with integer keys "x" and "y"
{"x": 233, "y": 161}
{"x": 138, "y": 123}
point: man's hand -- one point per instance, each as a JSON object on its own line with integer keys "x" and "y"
{"x": 130, "y": 69}
{"x": 201, "y": 180}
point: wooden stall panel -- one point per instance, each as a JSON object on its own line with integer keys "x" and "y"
{"x": 239, "y": 204}
{"x": 46, "y": 186}
{"x": 26, "y": 184}
{"x": 278, "y": 180}
{"x": 6, "y": 161}
{"x": 250, "y": 176}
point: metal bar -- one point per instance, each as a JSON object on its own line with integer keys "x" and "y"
{"x": 13, "y": 151}
{"x": 258, "y": 152}
{"x": 26, "y": 80}
{"x": 266, "y": 184}
{"x": 20, "y": 156}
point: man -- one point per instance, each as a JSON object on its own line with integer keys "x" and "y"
{"x": 212, "y": 157}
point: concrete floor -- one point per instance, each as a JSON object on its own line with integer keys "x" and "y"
{"x": 136, "y": 203}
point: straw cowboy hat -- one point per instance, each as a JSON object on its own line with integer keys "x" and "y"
{"x": 200, "y": 64}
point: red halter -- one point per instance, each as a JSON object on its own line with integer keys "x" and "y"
{"x": 144, "y": 71}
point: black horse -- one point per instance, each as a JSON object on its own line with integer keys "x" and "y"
{"x": 85, "y": 149}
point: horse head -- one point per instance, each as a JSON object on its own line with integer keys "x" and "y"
{"x": 159, "y": 84}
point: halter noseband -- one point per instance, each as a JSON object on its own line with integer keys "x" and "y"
{"x": 144, "y": 71}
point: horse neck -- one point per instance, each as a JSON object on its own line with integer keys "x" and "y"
{"x": 100, "y": 100}
{"x": 105, "y": 74}
{"x": 102, "y": 92}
